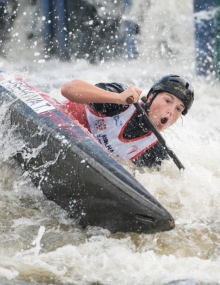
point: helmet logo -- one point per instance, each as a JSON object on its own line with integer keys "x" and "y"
{"x": 182, "y": 91}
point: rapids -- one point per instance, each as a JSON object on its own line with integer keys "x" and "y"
{"x": 40, "y": 245}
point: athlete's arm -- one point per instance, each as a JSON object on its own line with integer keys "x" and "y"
{"x": 84, "y": 93}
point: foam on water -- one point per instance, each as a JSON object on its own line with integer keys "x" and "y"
{"x": 39, "y": 244}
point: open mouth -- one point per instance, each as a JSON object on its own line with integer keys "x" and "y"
{"x": 164, "y": 121}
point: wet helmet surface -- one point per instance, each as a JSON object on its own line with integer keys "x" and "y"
{"x": 176, "y": 85}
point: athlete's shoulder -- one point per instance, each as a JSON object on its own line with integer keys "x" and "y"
{"x": 113, "y": 86}
{"x": 107, "y": 108}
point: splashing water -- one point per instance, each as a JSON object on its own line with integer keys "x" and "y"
{"x": 40, "y": 244}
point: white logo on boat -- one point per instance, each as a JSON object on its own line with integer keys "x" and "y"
{"x": 28, "y": 95}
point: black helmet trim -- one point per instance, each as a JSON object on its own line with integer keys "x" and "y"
{"x": 176, "y": 85}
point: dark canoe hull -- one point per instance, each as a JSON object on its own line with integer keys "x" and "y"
{"x": 73, "y": 170}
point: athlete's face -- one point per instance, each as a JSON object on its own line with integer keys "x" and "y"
{"x": 165, "y": 110}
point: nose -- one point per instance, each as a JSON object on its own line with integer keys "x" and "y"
{"x": 169, "y": 112}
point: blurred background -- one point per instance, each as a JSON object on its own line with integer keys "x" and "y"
{"x": 49, "y": 42}
{"x": 98, "y": 30}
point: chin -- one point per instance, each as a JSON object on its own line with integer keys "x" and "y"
{"x": 161, "y": 128}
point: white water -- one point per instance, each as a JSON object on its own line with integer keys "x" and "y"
{"x": 39, "y": 244}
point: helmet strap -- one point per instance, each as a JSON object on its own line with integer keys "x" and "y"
{"x": 149, "y": 103}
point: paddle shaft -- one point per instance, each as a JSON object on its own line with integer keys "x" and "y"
{"x": 157, "y": 134}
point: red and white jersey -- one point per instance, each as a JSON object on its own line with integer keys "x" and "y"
{"x": 109, "y": 132}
